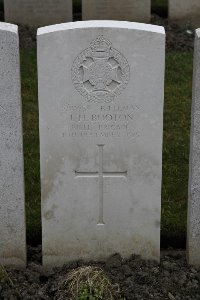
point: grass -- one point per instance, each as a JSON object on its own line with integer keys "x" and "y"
{"x": 90, "y": 283}
{"x": 31, "y": 145}
{"x": 175, "y": 147}
{"x": 160, "y": 7}
{"x": 178, "y": 87}
{"x": 77, "y": 6}
{"x": 4, "y": 277}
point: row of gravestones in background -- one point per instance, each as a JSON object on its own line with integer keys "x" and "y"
{"x": 101, "y": 91}
{"x": 47, "y": 12}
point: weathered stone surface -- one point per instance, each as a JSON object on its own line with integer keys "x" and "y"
{"x": 12, "y": 213}
{"x": 122, "y": 10}
{"x": 38, "y": 12}
{"x": 101, "y": 114}
{"x": 185, "y": 10}
{"x": 193, "y": 236}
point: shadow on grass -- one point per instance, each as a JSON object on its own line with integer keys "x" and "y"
{"x": 31, "y": 146}
{"x": 160, "y": 8}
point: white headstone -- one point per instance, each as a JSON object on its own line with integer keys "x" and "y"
{"x": 38, "y": 12}
{"x": 193, "y": 236}
{"x": 101, "y": 114}
{"x": 12, "y": 212}
{"x": 185, "y": 10}
{"x": 122, "y": 10}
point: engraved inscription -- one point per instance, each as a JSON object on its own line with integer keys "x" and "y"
{"x": 100, "y": 174}
{"x": 100, "y": 72}
{"x": 108, "y": 121}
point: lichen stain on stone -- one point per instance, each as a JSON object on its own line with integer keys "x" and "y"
{"x": 12, "y": 254}
{"x": 49, "y": 214}
{"x": 100, "y": 249}
{"x": 56, "y": 166}
{"x": 48, "y": 181}
{"x": 146, "y": 248}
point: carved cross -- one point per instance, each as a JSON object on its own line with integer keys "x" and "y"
{"x": 100, "y": 174}
{"x": 100, "y": 73}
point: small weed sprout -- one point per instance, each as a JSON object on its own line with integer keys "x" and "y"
{"x": 4, "y": 277}
{"x": 90, "y": 283}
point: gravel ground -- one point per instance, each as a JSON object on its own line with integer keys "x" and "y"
{"x": 172, "y": 279}
{"x": 178, "y": 38}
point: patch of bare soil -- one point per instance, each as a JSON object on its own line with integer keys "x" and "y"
{"x": 138, "y": 279}
{"x": 179, "y": 37}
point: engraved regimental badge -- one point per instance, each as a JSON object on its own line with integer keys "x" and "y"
{"x": 100, "y": 72}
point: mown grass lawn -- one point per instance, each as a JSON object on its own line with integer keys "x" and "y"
{"x": 175, "y": 148}
{"x": 159, "y": 7}
{"x": 31, "y": 145}
{"x": 178, "y": 93}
